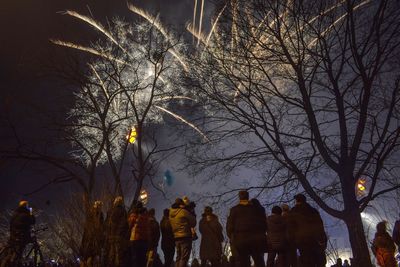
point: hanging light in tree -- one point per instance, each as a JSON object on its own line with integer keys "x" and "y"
{"x": 361, "y": 186}
{"x": 144, "y": 196}
{"x": 132, "y": 135}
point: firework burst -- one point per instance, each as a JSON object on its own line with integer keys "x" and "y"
{"x": 132, "y": 82}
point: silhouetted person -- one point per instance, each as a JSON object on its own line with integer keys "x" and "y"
{"x": 276, "y": 238}
{"x": 117, "y": 235}
{"x": 167, "y": 239}
{"x": 190, "y": 206}
{"x": 182, "y": 222}
{"x": 154, "y": 237}
{"x": 93, "y": 236}
{"x": 291, "y": 250}
{"x": 396, "y": 233}
{"x": 346, "y": 263}
{"x": 383, "y": 247}
{"x": 338, "y": 263}
{"x": 309, "y": 234}
{"x": 211, "y": 238}
{"x": 21, "y": 224}
{"x": 246, "y": 227}
{"x": 195, "y": 263}
{"x": 139, "y": 238}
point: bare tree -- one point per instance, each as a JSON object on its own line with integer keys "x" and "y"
{"x": 131, "y": 83}
{"x": 310, "y": 89}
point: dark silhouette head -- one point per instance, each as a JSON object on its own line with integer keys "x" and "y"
{"x": 285, "y": 208}
{"x": 243, "y": 195}
{"x": 381, "y": 227}
{"x": 208, "y": 210}
{"x": 151, "y": 212}
{"x": 255, "y": 202}
{"x": 166, "y": 212}
{"x": 300, "y": 198}
{"x": 179, "y": 202}
{"x": 276, "y": 210}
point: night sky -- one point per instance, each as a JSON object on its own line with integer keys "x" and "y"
{"x": 29, "y": 92}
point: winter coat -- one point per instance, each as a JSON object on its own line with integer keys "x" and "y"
{"x": 167, "y": 235}
{"x": 154, "y": 233}
{"x": 384, "y": 249}
{"x": 93, "y": 234}
{"x": 246, "y": 227}
{"x": 290, "y": 226}
{"x": 276, "y": 233}
{"x": 117, "y": 224}
{"x": 117, "y": 240}
{"x": 396, "y": 233}
{"x": 21, "y": 224}
{"x": 211, "y": 237}
{"x": 139, "y": 225}
{"x": 181, "y": 222}
{"x": 308, "y": 227}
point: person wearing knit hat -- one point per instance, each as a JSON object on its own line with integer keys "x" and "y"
{"x": 21, "y": 224}
{"x": 246, "y": 228}
{"x": 182, "y": 221}
{"x": 211, "y": 238}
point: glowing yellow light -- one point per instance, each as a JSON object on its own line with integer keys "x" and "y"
{"x": 143, "y": 196}
{"x": 361, "y": 186}
{"x": 132, "y": 135}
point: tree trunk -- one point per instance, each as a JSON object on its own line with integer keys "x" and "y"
{"x": 358, "y": 240}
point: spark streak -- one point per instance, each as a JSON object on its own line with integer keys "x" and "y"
{"x": 312, "y": 43}
{"x": 201, "y": 19}
{"x": 94, "y": 24}
{"x": 214, "y": 25}
{"x": 194, "y": 13}
{"x": 175, "y": 97}
{"x": 88, "y": 50}
{"x": 176, "y": 116}
{"x": 200, "y": 37}
{"x": 157, "y": 24}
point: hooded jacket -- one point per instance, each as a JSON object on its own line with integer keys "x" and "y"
{"x": 308, "y": 227}
{"x": 139, "y": 225}
{"x": 211, "y": 237}
{"x": 154, "y": 232}
{"x": 246, "y": 226}
{"x": 276, "y": 232}
{"x": 167, "y": 240}
{"x": 384, "y": 249}
{"x": 181, "y": 221}
{"x": 21, "y": 223}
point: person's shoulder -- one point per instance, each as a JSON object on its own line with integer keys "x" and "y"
{"x": 236, "y": 207}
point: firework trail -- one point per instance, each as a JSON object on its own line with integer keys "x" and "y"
{"x": 198, "y": 35}
{"x": 176, "y": 116}
{"x": 175, "y": 97}
{"x": 88, "y": 50}
{"x": 201, "y": 20}
{"x": 194, "y": 14}
{"x": 235, "y": 36}
{"x": 214, "y": 25}
{"x": 313, "y": 42}
{"x": 94, "y": 24}
{"x": 156, "y": 22}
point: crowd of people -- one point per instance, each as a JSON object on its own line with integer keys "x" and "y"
{"x": 291, "y": 236}
{"x": 132, "y": 239}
